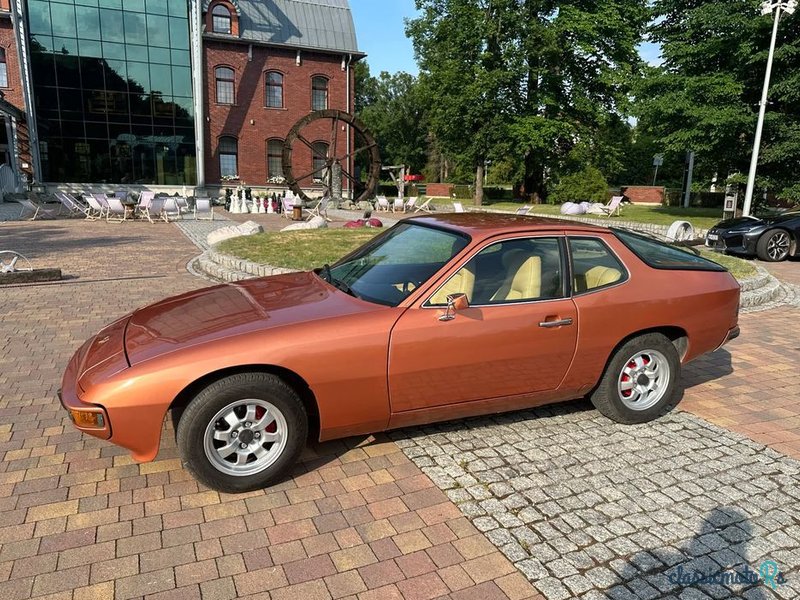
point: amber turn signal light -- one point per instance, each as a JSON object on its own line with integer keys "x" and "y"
{"x": 91, "y": 420}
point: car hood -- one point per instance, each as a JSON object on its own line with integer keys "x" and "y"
{"x": 743, "y": 223}
{"x": 228, "y": 310}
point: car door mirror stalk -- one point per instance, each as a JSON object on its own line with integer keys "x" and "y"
{"x": 455, "y": 302}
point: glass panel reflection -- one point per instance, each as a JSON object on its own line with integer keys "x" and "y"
{"x": 113, "y": 88}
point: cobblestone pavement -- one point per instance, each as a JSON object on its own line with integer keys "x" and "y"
{"x": 584, "y": 507}
{"x": 80, "y": 520}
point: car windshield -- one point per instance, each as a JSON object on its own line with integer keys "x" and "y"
{"x": 390, "y": 267}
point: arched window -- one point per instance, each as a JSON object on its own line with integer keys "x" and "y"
{"x": 221, "y": 19}
{"x": 225, "y": 85}
{"x": 319, "y": 154}
{"x": 228, "y": 150}
{"x": 275, "y": 158}
{"x": 3, "y": 69}
{"x": 319, "y": 93}
{"x": 274, "y": 90}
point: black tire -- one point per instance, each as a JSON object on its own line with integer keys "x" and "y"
{"x": 222, "y": 395}
{"x": 608, "y": 396}
{"x": 774, "y": 246}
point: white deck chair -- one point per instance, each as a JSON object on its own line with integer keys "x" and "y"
{"x": 121, "y": 194}
{"x": 98, "y": 211}
{"x": 203, "y": 206}
{"x": 612, "y": 207}
{"x": 36, "y": 210}
{"x": 117, "y": 209}
{"x": 523, "y": 210}
{"x": 154, "y": 209}
{"x": 425, "y": 206}
{"x": 458, "y": 207}
{"x": 171, "y": 209}
{"x": 320, "y": 209}
{"x": 411, "y": 203}
{"x": 183, "y": 205}
{"x": 102, "y": 200}
{"x": 287, "y": 206}
{"x": 398, "y": 205}
{"x": 72, "y": 205}
{"x": 145, "y": 198}
{"x": 382, "y": 204}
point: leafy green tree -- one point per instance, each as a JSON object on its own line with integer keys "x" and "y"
{"x": 529, "y": 79}
{"x": 394, "y": 109}
{"x": 705, "y": 95}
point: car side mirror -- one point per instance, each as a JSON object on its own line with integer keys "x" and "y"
{"x": 455, "y": 302}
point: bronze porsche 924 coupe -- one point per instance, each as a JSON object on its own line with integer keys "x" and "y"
{"x": 438, "y": 318}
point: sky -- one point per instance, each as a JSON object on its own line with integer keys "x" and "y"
{"x": 380, "y": 30}
{"x": 381, "y": 34}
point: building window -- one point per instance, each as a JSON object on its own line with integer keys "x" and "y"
{"x": 221, "y": 20}
{"x": 3, "y": 69}
{"x": 225, "y": 81}
{"x": 274, "y": 158}
{"x": 228, "y": 157}
{"x": 274, "y": 90}
{"x": 319, "y": 155}
{"x": 319, "y": 93}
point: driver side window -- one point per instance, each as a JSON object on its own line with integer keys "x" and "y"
{"x": 518, "y": 270}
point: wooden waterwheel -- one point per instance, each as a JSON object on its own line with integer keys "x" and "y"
{"x": 323, "y": 133}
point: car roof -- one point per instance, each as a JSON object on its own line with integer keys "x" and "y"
{"x": 485, "y": 224}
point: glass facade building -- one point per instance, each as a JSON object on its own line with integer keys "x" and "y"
{"x": 112, "y": 86}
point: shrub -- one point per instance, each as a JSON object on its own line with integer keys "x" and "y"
{"x": 587, "y": 184}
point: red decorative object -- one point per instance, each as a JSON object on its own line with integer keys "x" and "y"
{"x": 414, "y": 177}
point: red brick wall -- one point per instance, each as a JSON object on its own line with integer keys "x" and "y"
{"x": 13, "y": 92}
{"x": 644, "y": 194}
{"x": 251, "y": 122}
{"x": 439, "y": 189}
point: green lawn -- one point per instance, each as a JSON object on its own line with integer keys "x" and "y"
{"x": 740, "y": 269}
{"x": 700, "y": 218}
{"x": 305, "y": 250}
{"x": 301, "y": 250}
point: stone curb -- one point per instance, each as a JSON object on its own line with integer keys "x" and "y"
{"x": 224, "y": 267}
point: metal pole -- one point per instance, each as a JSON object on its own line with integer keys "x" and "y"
{"x": 196, "y": 47}
{"x": 688, "y": 193}
{"x": 751, "y": 177}
{"x": 655, "y": 174}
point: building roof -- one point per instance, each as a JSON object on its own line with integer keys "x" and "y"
{"x": 313, "y": 24}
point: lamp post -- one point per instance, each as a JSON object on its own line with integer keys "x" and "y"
{"x": 767, "y": 7}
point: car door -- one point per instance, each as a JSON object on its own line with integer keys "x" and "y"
{"x": 517, "y": 336}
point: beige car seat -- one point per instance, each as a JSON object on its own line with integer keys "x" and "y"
{"x": 463, "y": 282}
{"x": 524, "y": 280}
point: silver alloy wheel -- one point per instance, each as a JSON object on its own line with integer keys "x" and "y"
{"x": 778, "y": 246}
{"x": 245, "y": 437}
{"x": 643, "y": 380}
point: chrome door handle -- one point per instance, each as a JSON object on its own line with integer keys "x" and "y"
{"x": 559, "y": 323}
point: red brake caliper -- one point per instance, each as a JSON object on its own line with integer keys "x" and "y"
{"x": 272, "y": 427}
{"x": 626, "y": 378}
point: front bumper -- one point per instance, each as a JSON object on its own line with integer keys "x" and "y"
{"x": 89, "y": 418}
{"x": 733, "y": 242}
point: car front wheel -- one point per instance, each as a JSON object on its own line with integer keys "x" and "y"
{"x": 774, "y": 246}
{"x": 242, "y": 432}
{"x": 640, "y": 381}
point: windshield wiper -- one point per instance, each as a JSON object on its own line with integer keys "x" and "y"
{"x": 338, "y": 283}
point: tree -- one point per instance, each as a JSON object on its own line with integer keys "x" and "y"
{"x": 704, "y": 97}
{"x": 394, "y": 109}
{"x": 529, "y": 79}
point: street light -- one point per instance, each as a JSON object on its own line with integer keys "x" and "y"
{"x": 767, "y": 7}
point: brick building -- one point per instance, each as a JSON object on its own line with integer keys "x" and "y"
{"x": 169, "y": 93}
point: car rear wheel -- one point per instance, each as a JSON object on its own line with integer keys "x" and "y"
{"x": 242, "y": 432}
{"x": 774, "y": 246}
{"x": 640, "y": 381}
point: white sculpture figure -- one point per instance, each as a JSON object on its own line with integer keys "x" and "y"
{"x": 270, "y": 210}
{"x": 261, "y": 208}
